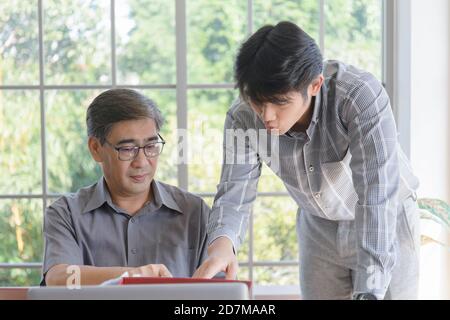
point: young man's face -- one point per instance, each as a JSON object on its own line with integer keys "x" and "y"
{"x": 131, "y": 177}
{"x": 279, "y": 118}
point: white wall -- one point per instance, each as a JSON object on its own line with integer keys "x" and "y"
{"x": 430, "y": 136}
{"x": 430, "y": 119}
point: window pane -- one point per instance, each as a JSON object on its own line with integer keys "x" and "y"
{"x": 167, "y": 165}
{"x": 276, "y": 275}
{"x": 21, "y": 230}
{"x": 215, "y": 30}
{"x": 353, "y": 33}
{"x": 145, "y": 41}
{"x": 269, "y": 182}
{"x": 69, "y": 162}
{"x": 20, "y": 148}
{"x": 209, "y": 201}
{"x": 19, "y": 56}
{"x": 243, "y": 250}
{"x": 243, "y": 274}
{"x": 304, "y": 13}
{"x": 206, "y": 117}
{"x": 275, "y": 237}
{"x": 77, "y": 45}
{"x": 20, "y": 277}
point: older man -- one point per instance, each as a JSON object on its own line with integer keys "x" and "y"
{"x": 127, "y": 221}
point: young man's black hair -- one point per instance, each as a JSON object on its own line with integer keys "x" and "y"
{"x": 276, "y": 60}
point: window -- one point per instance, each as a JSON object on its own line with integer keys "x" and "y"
{"x": 57, "y": 55}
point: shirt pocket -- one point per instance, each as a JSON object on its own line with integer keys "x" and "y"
{"x": 337, "y": 192}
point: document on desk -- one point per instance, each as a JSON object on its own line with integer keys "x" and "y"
{"x": 163, "y": 280}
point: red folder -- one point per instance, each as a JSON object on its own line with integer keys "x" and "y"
{"x": 160, "y": 280}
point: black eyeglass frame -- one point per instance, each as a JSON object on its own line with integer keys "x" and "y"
{"x": 136, "y": 149}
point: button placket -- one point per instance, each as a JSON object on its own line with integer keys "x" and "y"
{"x": 132, "y": 243}
{"x": 309, "y": 170}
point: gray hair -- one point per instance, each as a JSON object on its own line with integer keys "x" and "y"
{"x": 116, "y": 105}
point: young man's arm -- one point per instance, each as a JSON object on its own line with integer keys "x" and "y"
{"x": 58, "y": 275}
{"x": 375, "y": 170}
{"x": 229, "y": 216}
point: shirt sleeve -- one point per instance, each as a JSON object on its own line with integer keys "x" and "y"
{"x": 375, "y": 171}
{"x": 202, "y": 252}
{"x": 61, "y": 246}
{"x": 236, "y": 192}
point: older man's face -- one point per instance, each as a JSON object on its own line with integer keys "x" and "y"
{"x": 131, "y": 177}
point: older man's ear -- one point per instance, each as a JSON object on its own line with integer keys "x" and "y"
{"x": 94, "y": 148}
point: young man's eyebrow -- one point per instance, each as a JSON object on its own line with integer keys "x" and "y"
{"x": 282, "y": 99}
{"x": 134, "y": 141}
{"x": 276, "y": 99}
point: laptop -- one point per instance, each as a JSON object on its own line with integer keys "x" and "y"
{"x": 179, "y": 291}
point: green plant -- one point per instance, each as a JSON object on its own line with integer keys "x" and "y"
{"x": 437, "y": 211}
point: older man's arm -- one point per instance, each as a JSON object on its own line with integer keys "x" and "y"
{"x": 64, "y": 274}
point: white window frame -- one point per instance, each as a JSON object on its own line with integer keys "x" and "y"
{"x": 397, "y": 65}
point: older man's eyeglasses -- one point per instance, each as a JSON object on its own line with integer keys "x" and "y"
{"x": 151, "y": 150}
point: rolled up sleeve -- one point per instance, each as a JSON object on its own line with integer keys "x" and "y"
{"x": 61, "y": 246}
{"x": 237, "y": 189}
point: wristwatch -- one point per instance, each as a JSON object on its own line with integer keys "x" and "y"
{"x": 365, "y": 296}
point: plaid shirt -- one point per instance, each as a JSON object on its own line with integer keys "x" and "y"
{"x": 348, "y": 165}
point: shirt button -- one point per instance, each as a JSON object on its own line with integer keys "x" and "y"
{"x": 132, "y": 220}
{"x": 317, "y": 195}
{"x": 133, "y": 251}
{"x": 311, "y": 168}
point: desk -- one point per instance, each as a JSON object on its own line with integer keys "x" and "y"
{"x": 13, "y": 293}
{"x": 182, "y": 291}
{"x": 20, "y": 293}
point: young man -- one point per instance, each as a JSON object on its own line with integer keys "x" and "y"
{"x": 340, "y": 161}
{"x": 127, "y": 221}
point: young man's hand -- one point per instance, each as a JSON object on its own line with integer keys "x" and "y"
{"x": 221, "y": 257}
{"x": 150, "y": 270}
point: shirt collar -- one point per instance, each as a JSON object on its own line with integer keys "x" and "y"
{"x": 315, "y": 116}
{"x": 316, "y": 112}
{"x": 161, "y": 196}
{"x": 99, "y": 196}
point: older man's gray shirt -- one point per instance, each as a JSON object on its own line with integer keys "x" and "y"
{"x": 86, "y": 228}
{"x": 348, "y": 165}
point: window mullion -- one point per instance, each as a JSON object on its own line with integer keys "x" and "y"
{"x": 181, "y": 91}
{"x": 42, "y": 105}
{"x": 322, "y": 26}
{"x": 113, "y": 44}
{"x": 251, "y": 220}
